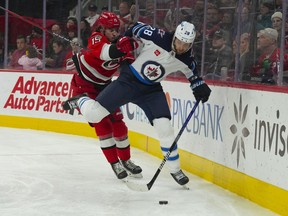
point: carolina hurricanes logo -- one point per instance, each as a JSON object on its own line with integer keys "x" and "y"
{"x": 111, "y": 65}
{"x": 152, "y": 71}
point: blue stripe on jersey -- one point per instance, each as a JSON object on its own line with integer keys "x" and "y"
{"x": 137, "y": 75}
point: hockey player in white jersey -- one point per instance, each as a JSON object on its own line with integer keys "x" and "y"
{"x": 161, "y": 54}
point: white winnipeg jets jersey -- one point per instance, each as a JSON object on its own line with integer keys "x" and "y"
{"x": 156, "y": 59}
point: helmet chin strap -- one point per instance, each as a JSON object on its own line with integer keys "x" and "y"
{"x": 173, "y": 46}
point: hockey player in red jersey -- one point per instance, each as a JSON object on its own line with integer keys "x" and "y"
{"x": 95, "y": 67}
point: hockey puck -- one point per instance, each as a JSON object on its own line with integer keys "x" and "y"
{"x": 163, "y": 202}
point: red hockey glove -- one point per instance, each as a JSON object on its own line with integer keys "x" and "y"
{"x": 129, "y": 58}
{"x": 126, "y": 44}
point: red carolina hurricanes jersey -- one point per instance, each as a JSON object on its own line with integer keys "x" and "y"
{"x": 95, "y": 63}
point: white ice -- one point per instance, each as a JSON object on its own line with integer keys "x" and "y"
{"x": 51, "y": 174}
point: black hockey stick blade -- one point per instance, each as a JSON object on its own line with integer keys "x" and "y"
{"x": 146, "y": 187}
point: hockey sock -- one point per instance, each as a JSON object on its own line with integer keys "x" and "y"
{"x": 123, "y": 149}
{"x": 110, "y": 154}
{"x": 166, "y": 138}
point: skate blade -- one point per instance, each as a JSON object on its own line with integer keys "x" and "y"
{"x": 185, "y": 187}
{"x": 125, "y": 180}
{"x": 137, "y": 176}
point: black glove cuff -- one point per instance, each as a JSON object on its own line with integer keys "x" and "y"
{"x": 193, "y": 78}
{"x": 196, "y": 81}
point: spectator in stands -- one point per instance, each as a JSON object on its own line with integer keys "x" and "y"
{"x": 85, "y": 31}
{"x": 221, "y": 55}
{"x": 104, "y": 9}
{"x": 92, "y": 14}
{"x": 57, "y": 60}
{"x": 247, "y": 3}
{"x": 227, "y": 24}
{"x": 198, "y": 15}
{"x": 185, "y": 14}
{"x": 68, "y": 62}
{"x": 267, "y": 65}
{"x": 278, "y": 5}
{"x": 277, "y": 25}
{"x": 124, "y": 16}
{"x": 30, "y": 60}
{"x": 266, "y": 11}
{"x": 71, "y": 21}
{"x": 213, "y": 20}
{"x": 247, "y": 24}
{"x": 170, "y": 17}
{"x": 57, "y": 29}
{"x": 36, "y": 40}
{"x": 246, "y": 57}
{"x": 276, "y": 19}
{"x": 133, "y": 15}
{"x": 20, "y": 51}
{"x": 148, "y": 16}
{"x": 71, "y": 32}
{"x": 197, "y": 19}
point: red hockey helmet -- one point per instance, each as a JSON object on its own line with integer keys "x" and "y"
{"x": 108, "y": 20}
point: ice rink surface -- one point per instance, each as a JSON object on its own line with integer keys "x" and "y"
{"x": 51, "y": 174}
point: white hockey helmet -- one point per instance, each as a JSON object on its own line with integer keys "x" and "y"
{"x": 185, "y": 32}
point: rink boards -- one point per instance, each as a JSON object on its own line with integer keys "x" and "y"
{"x": 237, "y": 140}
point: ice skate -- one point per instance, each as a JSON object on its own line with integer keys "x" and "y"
{"x": 71, "y": 103}
{"x": 180, "y": 178}
{"x": 133, "y": 169}
{"x": 119, "y": 171}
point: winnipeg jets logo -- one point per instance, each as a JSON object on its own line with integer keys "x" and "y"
{"x": 152, "y": 71}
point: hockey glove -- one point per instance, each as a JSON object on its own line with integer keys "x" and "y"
{"x": 129, "y": 58}
{"x": 126, "y": 44}
{"x": 200, "y": 89}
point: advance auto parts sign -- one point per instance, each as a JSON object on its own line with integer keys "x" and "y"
{"x": 35, "y": 94}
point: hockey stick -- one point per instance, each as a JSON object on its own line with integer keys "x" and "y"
{"x": 140, "y": 187}
{"x": 37, "y": 25}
